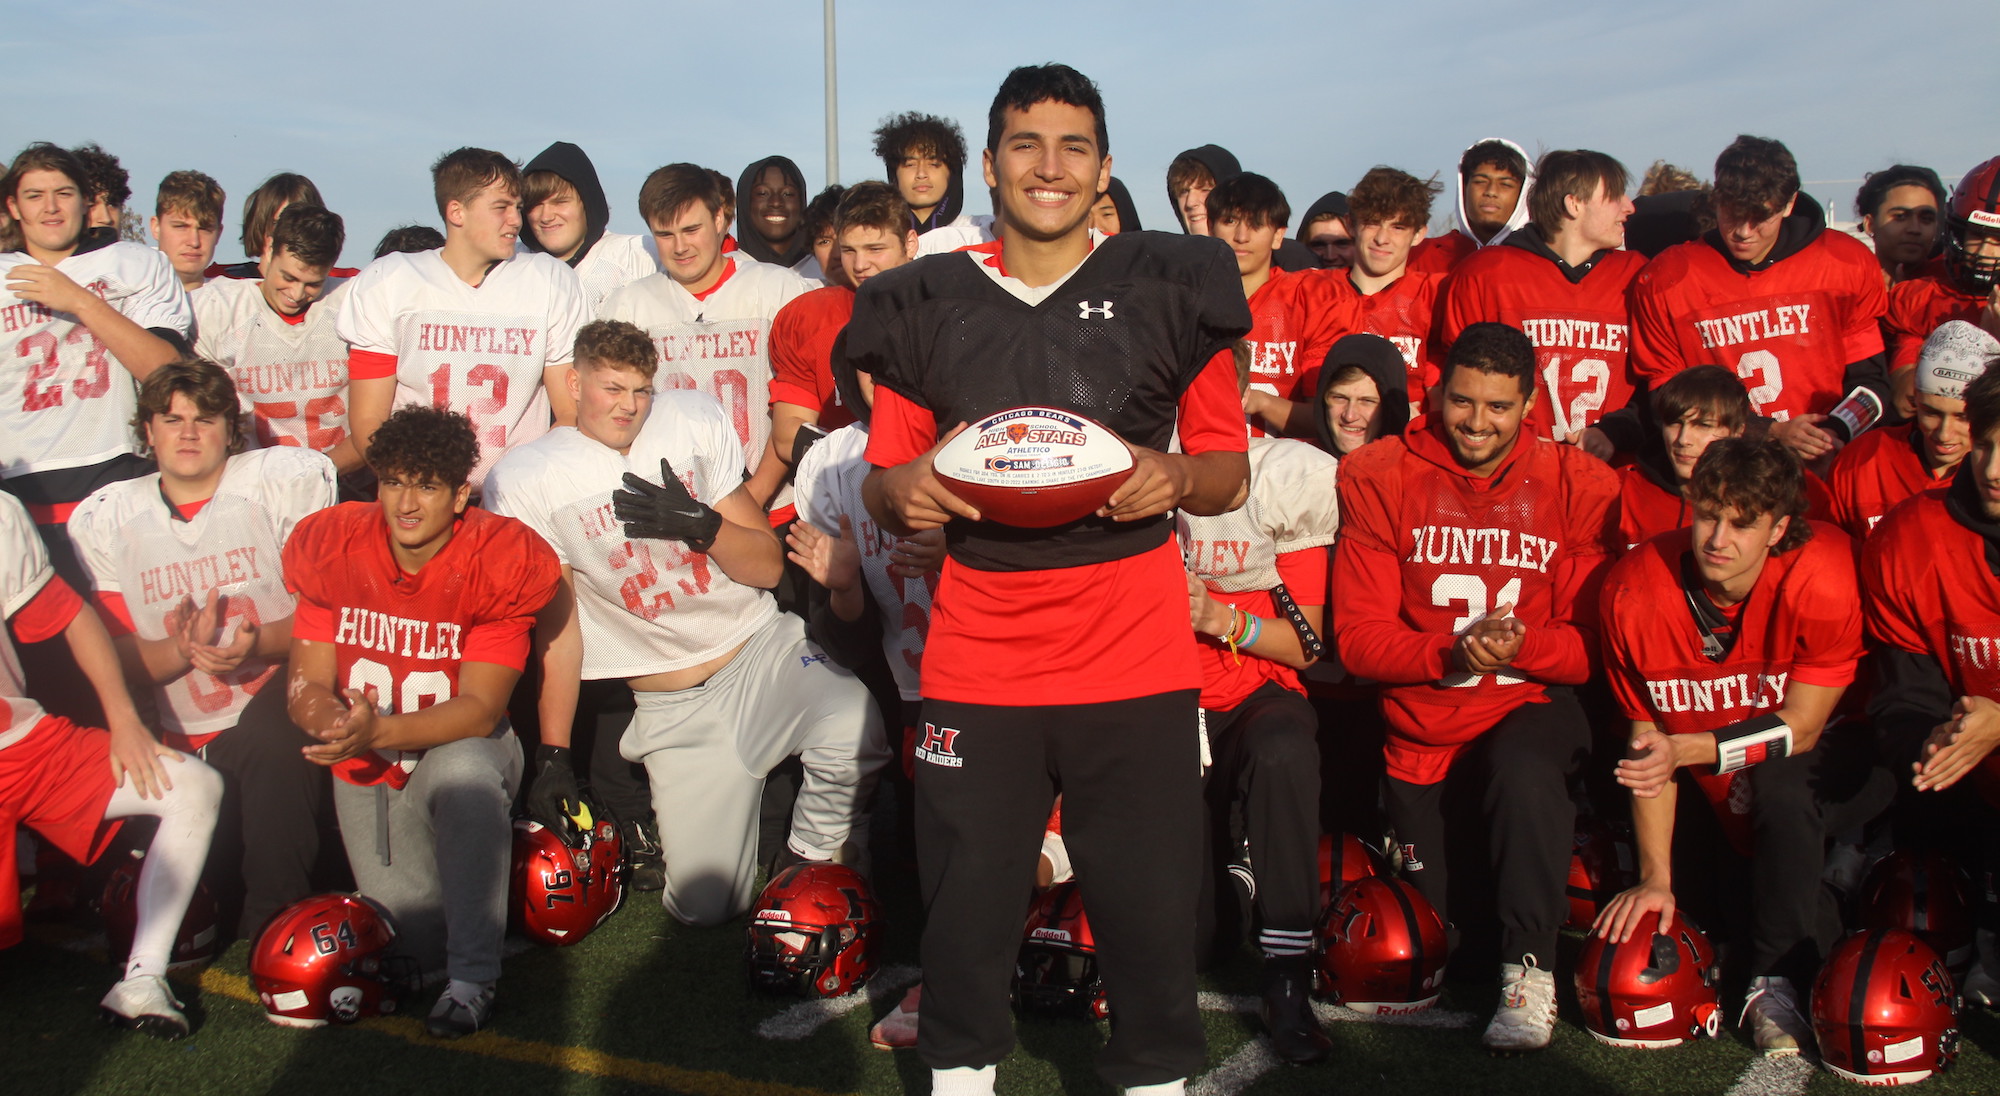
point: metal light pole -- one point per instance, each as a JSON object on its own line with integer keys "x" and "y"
{"x": 832, "y": 106}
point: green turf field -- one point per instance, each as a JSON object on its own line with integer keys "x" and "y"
{"x": 647, "y": 1006}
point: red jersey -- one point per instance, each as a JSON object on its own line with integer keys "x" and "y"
{"x": 1402, "y": 313}
{"x": 1295, "y": 318}
{"x": 1645, "y": 509}
{"x": 1922, "y": 305}
{"x": 1801, "y": 622}
{"x": 407, "y": 634}
{"x": 1427, "y": 551}
{"x": 1928, "y": 590}
{"x": 1789, "y": 329}
{"x": 1579, "y": 327}
{"x": 802, "y": 336}
{"x": 1870, "y": 476}
{"x": 1440, "y": 255}
{"x": 1228, "y": 679}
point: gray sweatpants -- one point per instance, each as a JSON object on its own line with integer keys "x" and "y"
{"x": 708, "y": 749}
{"x": 440, "y": 869}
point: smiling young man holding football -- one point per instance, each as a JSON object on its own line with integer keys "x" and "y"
{"x": 1061, "y": 654}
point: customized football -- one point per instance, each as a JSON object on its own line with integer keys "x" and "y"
{"x": 1034, "y": 467}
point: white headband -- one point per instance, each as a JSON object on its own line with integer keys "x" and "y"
{"x": 1953, "y": 357}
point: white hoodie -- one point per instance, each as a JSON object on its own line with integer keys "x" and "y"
{"x": 1520, "y": 216}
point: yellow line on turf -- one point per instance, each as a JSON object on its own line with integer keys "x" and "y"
{"x": 693, "y": 1082}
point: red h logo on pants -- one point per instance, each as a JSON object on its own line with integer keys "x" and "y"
{"x": 939, "y": 746}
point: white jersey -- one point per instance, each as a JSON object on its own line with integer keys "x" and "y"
{"x": 480, "y": 350}
{"x": 1292, "y": 507}
{"x": 65, "y": 402}
{"x": 24, "y": 571}
{"x": 614, "y": 261}
{"x": 718, "y": 345}
{"x": 136, "y": 547}
{"x": 962, "y": 233}
{"x": 291, "y": 378}
{"x": 827, "y": 487}
{"x": 215, "y": 303}
{"x": 645, "y": 606}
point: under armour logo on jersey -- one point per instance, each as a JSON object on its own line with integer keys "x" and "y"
{"x": 1085, "y": 310}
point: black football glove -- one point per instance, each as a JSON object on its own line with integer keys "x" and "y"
{"x": 665, "y": 511}
{"x": 553, "y": 798}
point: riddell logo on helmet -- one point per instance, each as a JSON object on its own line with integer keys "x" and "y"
{"x": 1398, "y": 1009}
{"x": 1050, "y": 934}
{"x": 939, "y": 746}
{"x": 1984, "y": 218}
{"x": 772, "y": 915}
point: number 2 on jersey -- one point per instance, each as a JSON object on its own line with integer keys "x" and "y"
{"x": 1589, "y": 380}
{"x": 46, "y": 356}
{"x": 481, "y": 411}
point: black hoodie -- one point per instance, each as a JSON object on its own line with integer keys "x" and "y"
{"x": 1220, "y": 163}
{"x": 1379, "y": 358}
{"x": 748, "y": 240}
{"x": 569, "y": 162}
{"x": 1800, "y": 228}
{"x": 948, "y": 210}
{"x": 1331, "y": 204}
{"x": 1128, "y": 214}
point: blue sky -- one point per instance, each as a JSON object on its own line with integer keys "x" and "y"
{"x": 361, "y": 95}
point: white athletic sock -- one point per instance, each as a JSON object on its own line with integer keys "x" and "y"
{"x": 963, "y": 1081}
{"x": 1164, "y": 1088}
{"x": 173, "y": 862}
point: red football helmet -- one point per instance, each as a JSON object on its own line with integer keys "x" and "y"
{"x": 1600, "y": 866}
{"x": 1381, "y": 948}
{"x": 1975, "y": 204}
{"x": 1885, "y": 1009}
{"x": 1924, "y": 893}
{"x": 193, "y": 945}
{"x": 321, "y": 959}
{"x": 562, "y": 889}
{"x": 1057, "y": 968}
{"x": 1342, "y": 860}
{"x": 816, "y": 931}
{"x": 1654, "y": 990}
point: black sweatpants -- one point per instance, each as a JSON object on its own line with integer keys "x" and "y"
{"x": 1129, "y": 773}
{"x": 1510, "y": 788}
{"x": 267, "y": 835}
{"x": 1775, "y": 898}
{"x": 1266, "y": 771}
{"x": 603, "y": 711}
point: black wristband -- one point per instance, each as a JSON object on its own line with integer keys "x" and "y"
{"x": 1741, "y": 745}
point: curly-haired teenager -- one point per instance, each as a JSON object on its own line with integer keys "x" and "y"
{"x": 1729, "y": 645}
{"x": 411, "y": 630}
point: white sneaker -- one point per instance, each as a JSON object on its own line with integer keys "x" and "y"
{"x": 1771, "y": 1012}
{"x": 898, "y": 1030}
{"x": 1980, "y": 987}
{"x": 144, "y": 1002}
{"x": 1526, "y": 1018}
